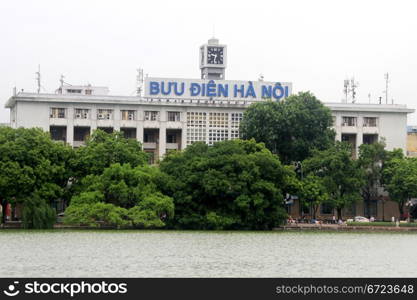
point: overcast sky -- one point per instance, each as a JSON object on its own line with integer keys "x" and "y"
{"x": 313, "y": 44}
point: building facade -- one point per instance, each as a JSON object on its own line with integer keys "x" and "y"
{"x": 174, "y": 113}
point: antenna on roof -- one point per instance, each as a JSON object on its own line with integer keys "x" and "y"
{"x": 386, "y": 76}
{"x": 139, "y": 82}
{"x": 353, "y": 85}
{"x": 38, "y": 78}
{"x": 346, "y": 89}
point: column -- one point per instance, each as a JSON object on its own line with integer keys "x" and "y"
{"x": 162, "y": 139}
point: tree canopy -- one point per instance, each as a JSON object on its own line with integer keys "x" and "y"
{"x": 103, "y": 149}
{"x": 232, "y": 184}
{"x": 121, "y": 196}
{"x": 291, "y": 128}
{"x": 34, "y": 172}
{"x": 339, "y": 174}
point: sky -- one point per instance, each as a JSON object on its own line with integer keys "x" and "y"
{"x": 315, "y": 45}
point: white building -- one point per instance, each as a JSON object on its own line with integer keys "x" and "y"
{"x": 174, "y": 113}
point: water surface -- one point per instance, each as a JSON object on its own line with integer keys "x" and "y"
{"x": 206, "y": 254}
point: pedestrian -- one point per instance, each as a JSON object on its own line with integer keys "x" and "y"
{"x": 334, "y": 219}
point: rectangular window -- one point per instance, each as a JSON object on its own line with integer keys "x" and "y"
{"x": 88, "y": 92}
{"x": 105, "y": 114}
{"x": 57, "y": 112}
{"x": 171, "y": 138}
{"x": 174, "y": 116}
{"x": 349, "y": 121}
{"x": 369, "y": 122}
{"x": 128, "y": 115}
{"x": 196, "y": 127}
{"x": 81, "y": 113}
{"x": 236, "y": 119}
{"x": 151, "y": 115}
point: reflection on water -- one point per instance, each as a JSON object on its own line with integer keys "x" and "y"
{"x": 206, "y": 254}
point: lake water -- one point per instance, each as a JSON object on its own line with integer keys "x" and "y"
{"x": 206, "y": 254}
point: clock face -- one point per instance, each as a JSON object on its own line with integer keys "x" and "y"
{"x": 215, "y": 55}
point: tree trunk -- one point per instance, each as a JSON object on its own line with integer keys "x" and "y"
{"x": 4, "y": 205}
{"x": 339, "y": 213}
{"x": 401, "y": 209}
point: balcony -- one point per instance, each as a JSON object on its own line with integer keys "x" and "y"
{"x": 172, "y": 146}
{"x": 149, "y": 145}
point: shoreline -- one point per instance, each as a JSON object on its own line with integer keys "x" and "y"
{"x": 292, "y": 227}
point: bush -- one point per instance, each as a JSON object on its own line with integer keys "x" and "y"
{"x": 37, "y": 214}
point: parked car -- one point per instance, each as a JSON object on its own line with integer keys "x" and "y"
{"x": 361, "y": 219}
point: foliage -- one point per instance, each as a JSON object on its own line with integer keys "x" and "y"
{"x": 339, "y": 173}
{"x": 232, "y": 184}
{"x": 400, "y": 178}
{"x": 93, "y": 214}
{"x": 104, "y": 149}
{"x": 314, "y": 192}
{"x": 291, "y": 128}
{"x": 131, "y": 196}
{"x": 34, "y": 169}
{"x": 37, "y": 213}
{"x": 371, "y": 160}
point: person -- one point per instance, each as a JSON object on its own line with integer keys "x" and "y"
{"x": 372, "y": 219}
{"x": 340, "y": 222}
{"x": 393, "y": 219}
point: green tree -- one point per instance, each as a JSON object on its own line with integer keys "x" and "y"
{"x": 371, "y": 161}
{"x": 131, "y": 195}
{"x": 400, "y": 179}
{"x": 291, "y": 128}
{"x": 232, "y": 184}
{"x": 340, "y": 175}
{"x": 104, "y": 149}
{"x": 34, "y": 171}
{"x": 313, "y": 192}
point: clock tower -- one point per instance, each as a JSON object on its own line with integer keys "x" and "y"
{"x": 213, "y": 59}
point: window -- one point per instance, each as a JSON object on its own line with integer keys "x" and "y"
{"x": 81, "y": 133}
{"x": 333, "y": 120}
{"x": 149, "y": 138}
{"x": 151, "y": 115}
{"x": 58, "y": 113}
{"x": 236, "y": 119}
{"x": 349, "y": 121}
{"x": 88, "y": 92}
{"x": 171, "y": 138}
{"x": 216, "y": 135}
{"x": 369, "y": 122}
{"x": 174, "y": 116}
{"x": 81, "y": 113}
{"x": 196, "y": 127}
{"x": 104, "y": 114}
{"x": 234, "y": 134}
{"x": 73, "y": 91}
{"x": 219, "y": 120}
{"x": 128, "y": 115}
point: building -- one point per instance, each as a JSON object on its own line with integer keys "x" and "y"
{"x": 412, "y": 141}
{"x": 174, "y": 113}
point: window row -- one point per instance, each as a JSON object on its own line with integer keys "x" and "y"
{"x": 107, "y": 114}
{"x": 353, "y": 121}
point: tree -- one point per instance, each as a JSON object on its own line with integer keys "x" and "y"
{"x": 371, "y": 161}
{"x": 339, "y": 174}
{"x": 232, "y": 184}
{"x": 121, "y": 196}
{"x": 103, "y": 149}
{"x": 400, "y": 180}
{"x": 313, "y": 192}
{"x": 291, "y": 128}
{"x": 34, "y": 172}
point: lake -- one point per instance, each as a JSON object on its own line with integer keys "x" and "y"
{"x": 62, "y": 253}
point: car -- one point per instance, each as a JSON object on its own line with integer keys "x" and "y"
{"x": 361, "y": 219}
